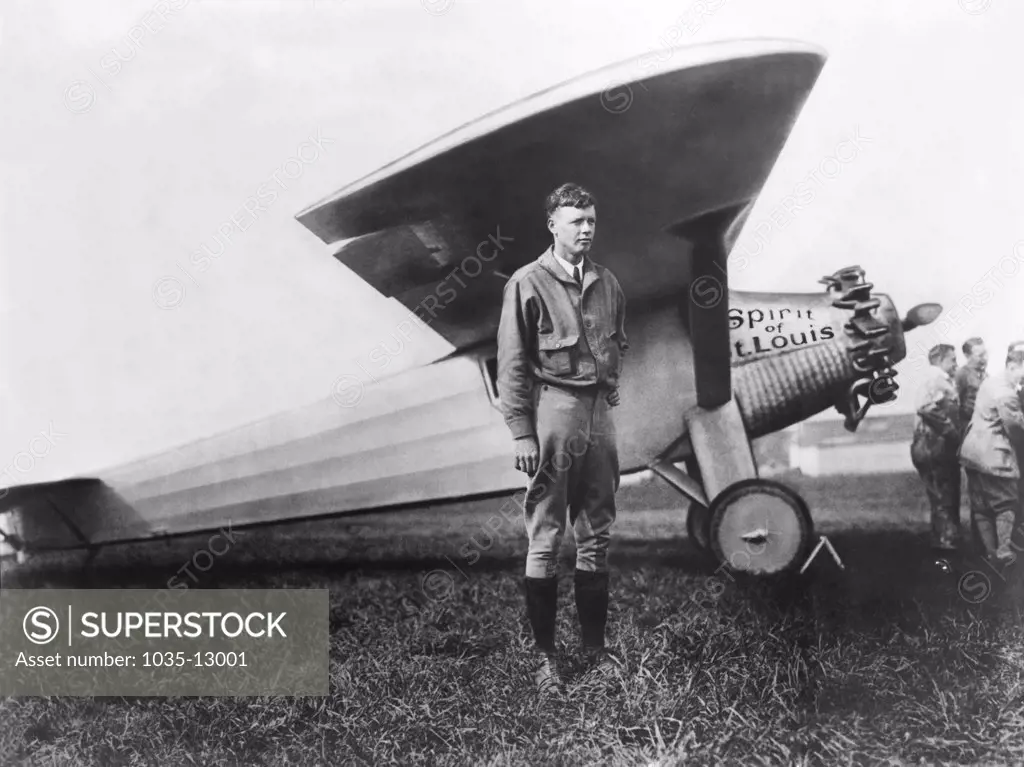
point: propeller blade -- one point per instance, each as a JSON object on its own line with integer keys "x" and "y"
{"x": 922, "y": 314}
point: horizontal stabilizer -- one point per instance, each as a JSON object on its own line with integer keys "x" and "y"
{"x": 65, "y": 514}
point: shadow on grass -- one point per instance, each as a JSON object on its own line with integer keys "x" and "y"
{"x": 879, "y": 567}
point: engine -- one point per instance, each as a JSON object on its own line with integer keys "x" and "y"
{"x": 795, "y": 355}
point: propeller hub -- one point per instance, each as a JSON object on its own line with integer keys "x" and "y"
{"x": 922, "y": 314}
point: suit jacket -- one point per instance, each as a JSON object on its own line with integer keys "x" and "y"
{"x": 553, "y": 331}
{"x": 996, "y": 432}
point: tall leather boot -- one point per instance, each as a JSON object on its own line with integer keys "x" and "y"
{"x": 541, "y": 610}
{"x": 592, "y": 607}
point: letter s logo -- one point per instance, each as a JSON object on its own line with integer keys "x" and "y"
{"x": 40, "y": 625}
{"x": 706, "y": 292}
{"x": 974, "y": 587}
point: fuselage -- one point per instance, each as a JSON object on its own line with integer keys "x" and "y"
{"x": 437, "y": 432}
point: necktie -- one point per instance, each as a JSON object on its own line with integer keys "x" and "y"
{"x": 577, "y": 276}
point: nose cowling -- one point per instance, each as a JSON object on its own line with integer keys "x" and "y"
{"x": 835, "y": 348}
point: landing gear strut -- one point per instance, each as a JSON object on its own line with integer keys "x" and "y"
{"x": 698, "y": 518}
{"x": 698, "y": 521}
{"x": 750, "y": 525}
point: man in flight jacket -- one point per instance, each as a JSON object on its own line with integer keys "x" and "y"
{"x": 561, "y": 341}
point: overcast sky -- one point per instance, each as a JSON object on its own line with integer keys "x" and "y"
{"x": 116, "y": 169}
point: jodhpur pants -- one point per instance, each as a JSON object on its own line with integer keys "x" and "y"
{"x": 942, "y": 484}
{"x": 994, "y": 507}
{"x": 577, "y": 477}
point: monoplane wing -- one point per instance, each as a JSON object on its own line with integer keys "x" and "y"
{"x": 659, "y": 141}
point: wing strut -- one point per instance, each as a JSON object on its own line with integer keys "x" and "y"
{"x": 708, "y": 301}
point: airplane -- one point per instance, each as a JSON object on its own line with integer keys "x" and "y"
{"x": 676, "y": 153}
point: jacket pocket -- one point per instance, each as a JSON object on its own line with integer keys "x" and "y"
{"x": 556, "y": 353}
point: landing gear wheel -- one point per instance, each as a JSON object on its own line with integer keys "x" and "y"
{"x": 698, "y": 523}
{"x": 760, "y": 527}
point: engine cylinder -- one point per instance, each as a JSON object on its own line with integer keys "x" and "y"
{"x": 782, "y": 389}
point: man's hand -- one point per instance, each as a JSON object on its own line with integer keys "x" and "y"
{"x": 527, "y": 455}
{"x": 613, "y": 397}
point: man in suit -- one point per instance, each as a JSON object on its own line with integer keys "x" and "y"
{"x": 561, "y": 341}
{"x": 934, "y": 446}
{"x": 991, "y": 452}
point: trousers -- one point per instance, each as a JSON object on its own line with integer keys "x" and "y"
{"x": 994, "y": 507}
{"x": 577, "y": 477}
{"x": 942, "y": 484}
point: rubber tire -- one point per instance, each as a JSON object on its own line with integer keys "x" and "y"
{"x": 804, "y": 526}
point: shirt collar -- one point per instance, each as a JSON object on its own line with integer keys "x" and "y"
{"x": 569, "y": 267}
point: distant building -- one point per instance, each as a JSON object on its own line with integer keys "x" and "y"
{"x": 771, "y": 452}
{"x": 880, "y": 445}
{"x": 822, "y": 446}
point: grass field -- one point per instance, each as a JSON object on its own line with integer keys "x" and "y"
{"x": 884, "y": 662}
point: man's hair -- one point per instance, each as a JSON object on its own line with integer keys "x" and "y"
{"x": 1015, "y": 353}
{"x": 970, "y": 343}
{"x": 938, "y": 353}
{"x": 568, "y": 196}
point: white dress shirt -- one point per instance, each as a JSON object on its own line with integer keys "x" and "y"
{"x": 569, "y": 267}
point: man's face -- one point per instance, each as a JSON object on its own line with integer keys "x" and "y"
{"x": 573, "y": 229}
{"x": 979, "y": 357}
{"x": 948, "y": 364}
{"x": 1015, "y": 370}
